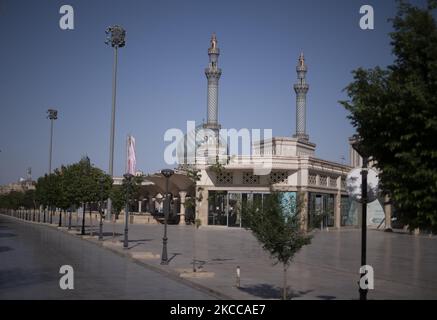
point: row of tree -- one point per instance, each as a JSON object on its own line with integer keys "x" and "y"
{"x": 15, "y": 200}
{"x": 69, "y": 187}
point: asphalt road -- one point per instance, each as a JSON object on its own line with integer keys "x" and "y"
{"x": 31, "y": 257}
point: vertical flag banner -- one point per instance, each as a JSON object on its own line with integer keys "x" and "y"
{"x": 131, "y": 159}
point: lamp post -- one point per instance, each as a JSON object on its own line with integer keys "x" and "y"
{"x": 167, "y": 173}
{"x": 87, "y": 172}
{"x": 52, "y": 115}
{"x": 128, "y": 178}
{"x": 101, "y": 211}
{"x": 117, "y": 40}
{"x": 356, "y": 145}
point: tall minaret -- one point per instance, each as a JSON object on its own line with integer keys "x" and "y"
{"x": 301, "y": 89}
{"x": 213, "y": 73}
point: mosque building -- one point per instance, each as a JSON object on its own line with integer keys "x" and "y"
{"x": 229, "y": 181}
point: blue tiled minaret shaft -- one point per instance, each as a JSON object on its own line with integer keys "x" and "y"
{"x": 213, "y": 73}
{"x": 301, "y": 88}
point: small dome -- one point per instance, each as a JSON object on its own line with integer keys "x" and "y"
{"x": 200, "y": 142}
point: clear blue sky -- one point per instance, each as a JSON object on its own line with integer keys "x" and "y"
{"x": 161, "y": 73}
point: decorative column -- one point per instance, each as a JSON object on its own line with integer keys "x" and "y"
{"x": 303, "y": 197}
{"x": 182, "y": 195}
{"x": 337, "y": 210}
{"x": 213, "y": 73}
{"x": 151, "y": 204}
{"x": 301, "y": 88}
{"x": 202, "y": 206}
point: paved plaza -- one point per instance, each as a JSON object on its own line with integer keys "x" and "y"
{"x": 31, "y": 255}
{"x": 404, "y": 264}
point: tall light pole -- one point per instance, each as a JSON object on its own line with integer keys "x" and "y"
{"x": 116, "y": 38}
{"x": 52, "y": 114}
{"x": 167, "y": 173}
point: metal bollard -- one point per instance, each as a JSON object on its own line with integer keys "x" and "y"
{"x": 238, "y": 277}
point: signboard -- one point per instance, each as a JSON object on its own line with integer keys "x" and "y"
{"x": 353, "y": 184}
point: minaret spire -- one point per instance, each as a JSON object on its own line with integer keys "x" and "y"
{"x": 301, "y": 88}
{"x": 213, "y": 73}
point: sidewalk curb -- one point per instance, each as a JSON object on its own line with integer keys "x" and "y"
{"x": 170, "y": 273}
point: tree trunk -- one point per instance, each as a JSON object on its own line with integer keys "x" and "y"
{"x": 91, "y": 222}
{"x": 284, "y": 289}
{"x": 60, "y": 219}
{"x": 83, "y": 220}
{"x": 69, "y": 220}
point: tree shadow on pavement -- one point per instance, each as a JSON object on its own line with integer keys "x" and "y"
{"x": 139, "y": 240}
{"x": 7, "y": 235}
{"x": 267, "y": 291}
{"x": 173, "y": 256}
{"x": 5, "y": 249}
{"x": 219, "y": 260}
{"x": 109, "y": 234}
{"x": 327, "y": 297}
{"x": 23, "y": 278}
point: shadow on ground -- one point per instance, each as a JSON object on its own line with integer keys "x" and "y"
{"x": 267, "y": 291}
{"x": 105, "y": 234}
{"x": 7, "y": 235}
{"x": 4, "y": 249}
{"x": 19, "y": 277}
{"x": 327, "y": 297}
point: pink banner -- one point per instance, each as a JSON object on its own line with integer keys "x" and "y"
{"x": 131, "y": 160}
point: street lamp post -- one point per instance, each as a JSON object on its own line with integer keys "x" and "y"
{"x": 357, "y": 147}
{"x": 101, "y": 211}
{"x": 52, "y": 115}
{"x": 87, "y": 171}
{"x": 167, "y": 173}
{"x": 128, "y": 178}
{"x": 117, "y": 40}
{"x": 363, "y": 292}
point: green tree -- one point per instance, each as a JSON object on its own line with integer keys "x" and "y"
{"x": 16, "y": 200}
{"x": 51, "y": 189}
{"x": 41, "y": 193}
{"x": 118, "y": 199}
{"x": 191, "y": 202}
{"x": 4, "y": 202}
{"x": 394, "y": 111}
{"x": 29, "y": 201}
{"x": 131, "y": 189}
{"x": 74, "y": 185}
{"x": 7, "y": 202}
{"x": 275, "y": 223}
{"x": 62, "y": 200}
{"x": 84, "y": 186}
